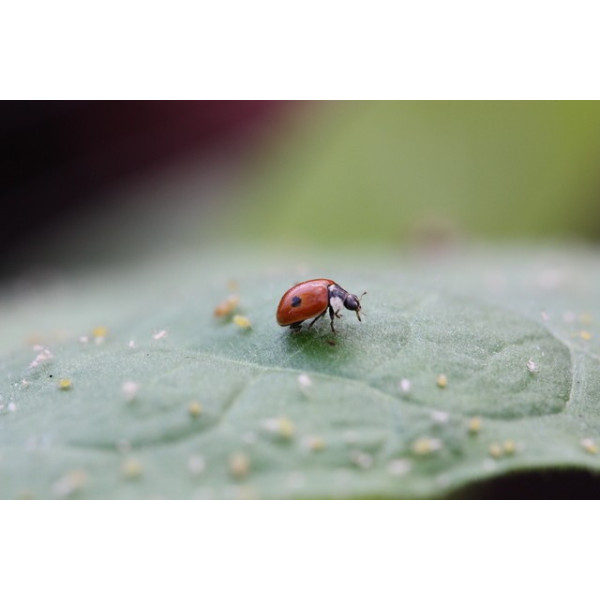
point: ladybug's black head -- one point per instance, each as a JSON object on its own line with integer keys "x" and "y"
{"x": 352, "y": 302}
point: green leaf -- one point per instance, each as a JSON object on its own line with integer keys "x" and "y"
{"x": 213, "y": 410}
{"x": 384, "y": 172}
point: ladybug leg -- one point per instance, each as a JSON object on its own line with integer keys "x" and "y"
{"x": 295, "y": 327}
{"x": 331, "y": 315}
{"x": 317, "y": 318}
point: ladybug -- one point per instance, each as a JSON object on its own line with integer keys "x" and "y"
{"x": 311, "y": 300}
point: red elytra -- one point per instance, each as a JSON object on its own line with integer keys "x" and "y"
{"x": 312, "y": 299}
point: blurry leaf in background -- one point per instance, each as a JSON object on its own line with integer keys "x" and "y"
{"x": 372, "y": 172}
{"x": 334, "y": 173}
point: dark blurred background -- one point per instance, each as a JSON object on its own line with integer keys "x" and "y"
{"x": 57, "y": 158}
{"x": 327, "y": 174}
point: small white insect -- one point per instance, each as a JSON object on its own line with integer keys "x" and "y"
{"x": 196, "y": 464}
{"x": 44, "y": 356}
{"x": 305, "y": 383}
{"x": 439, "y": 416}
{"x": 399, "y": 467}
{"x": 361, "y": 459}
{"x": 589, "y": 445}
{"x": 129, "y": 389}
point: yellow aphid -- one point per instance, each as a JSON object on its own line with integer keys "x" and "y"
{"x": 474, "y": 425}
{"x": 281, "y": 426}
{"x": 65, "y": 384}
{"x": 100, "y": 332}
{"x": 285, "y": 428}
{"x": 35, "y": 339}
{"x": 241, "y": 321}
{"x": 425, "y": 445}
{"x": 195, "y": 409}
{"x": 585, "y": 335}
{"x": 239, "y": 465}
{"x": 227, "y": 306}
{"x": 496, "y": 450}
{"x": 70, "y": 483}
{"x": 442, "y": 380}
{"x": 314, "y": 443}
{"x": 590, "y": 446}
{"x": 132, "y": 468}
{"x": 509, "y": 447}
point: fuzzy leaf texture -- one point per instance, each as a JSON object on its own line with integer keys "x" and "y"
{"x": 124, "y": 384}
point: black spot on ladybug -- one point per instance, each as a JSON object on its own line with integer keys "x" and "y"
{"x": 296, "y": 301}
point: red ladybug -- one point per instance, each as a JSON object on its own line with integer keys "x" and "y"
{"x": 311, "y": 300}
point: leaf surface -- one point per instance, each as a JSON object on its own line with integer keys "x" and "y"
{"x": 173, "y": 402}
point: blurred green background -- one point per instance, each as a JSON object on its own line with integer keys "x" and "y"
{"x": 396, "y": 172}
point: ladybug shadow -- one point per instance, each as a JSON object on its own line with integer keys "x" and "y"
{"x": 315, "y": 344}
